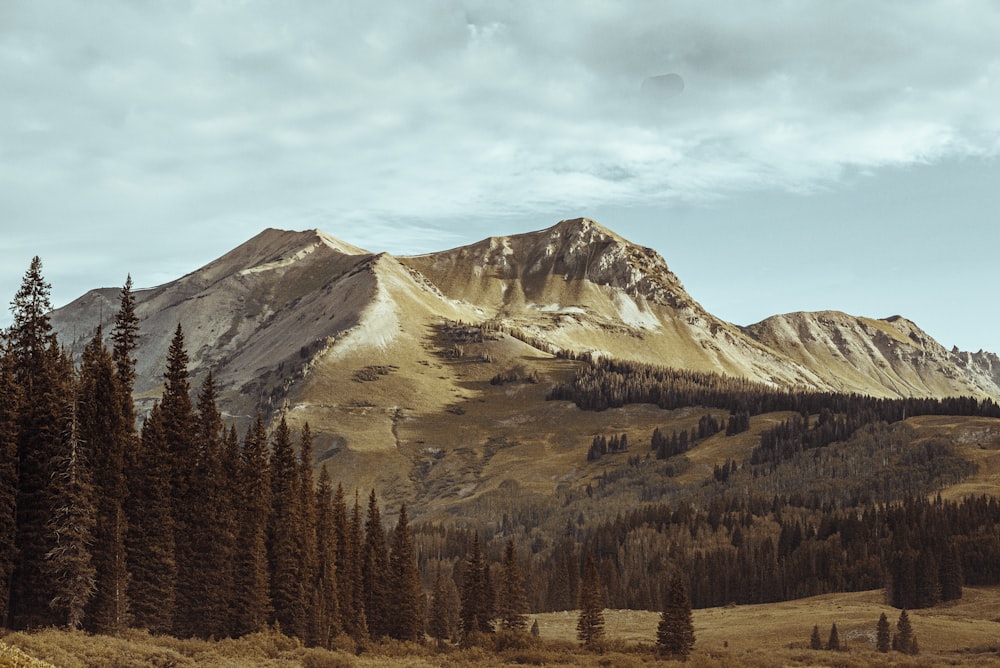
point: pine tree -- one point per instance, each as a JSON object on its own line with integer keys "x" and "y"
{"x": 213, "y": 542}
{"x": 179, "y": 430}
{"x": 438, "y": 626}
{"x": 374, "y": 572}
{"x": 252, "y": 601}
{"x": 285, "y": 532}
{"x": 150, "y": 538}
{"x": 511, "y": 602}
{"x": 309, "y": 567}
{"x": 833, "y": 642}
{"x": 904, "y": 640}
{"x": 326, "y": 587}
{"x": 104, "y": 430}
{"x": 9, "y": 402}
{"x": 590, "y": 624}
{"x": 357, "y": 624}
{"x": 41, "y": 372}
{"x": 69, "y": 562}
{"x": 815, "y": 641}
{"x": 675, "y": 632}
{"x": 406, "y": 595}
{"x": 348, "y": 567}
{"x": 883, "y": 635}
{"x": 475, "y": 613}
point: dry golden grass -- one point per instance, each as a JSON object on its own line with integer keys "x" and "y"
{"x": 965, "y": 632}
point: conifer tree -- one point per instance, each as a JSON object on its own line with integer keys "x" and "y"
{"x": 251, "y": 596}
{"x": 285, "y": 532}
{"x": 69, "y": 562}
{"x": 883, "y": 634}
{"x": 511, "y": 602}
{"x": 326, "y": 588}
{"x": 903, "y": 641}
{"x": 41, "y": 372}
{"x": 375, "y": 571}
{"x": 357, "y": 624}
{"x": 675, "y": 632}
{"x": 406, "y": 595}
{"x": 590, "y": 623}
{"x": 475, "y": 613}
{"x": 150, "y": 538}
{"x": 833, "y": 642}
{"x": 212, "y": 539}
{"x": 348, "y": 566}
{"x": 179, "y": 430}
{"x": 309, "y": 566}
{"x": 9, "y": 402}
{"x": 815, "y": 641}
{"x": 105, "y": 432}
{"x": 438, "y": 626}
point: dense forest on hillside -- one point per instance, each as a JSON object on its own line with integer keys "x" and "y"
{"x": 184, "y": 526}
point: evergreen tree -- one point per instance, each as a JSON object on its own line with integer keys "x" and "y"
{"x": 252, "y": 600}
{"x": 326, "y": 587}
{"x": 150, "y": 537}
{"x": 9, "y": 402}
{"x": 213, "y": 542}
{"x": 511, "y": 602}
{"x": 125, "y": 338}
{"x": 815, "y": 642}
{"x": 438, "y": 626}
{"x": 883, "y": 634}
{"x": 904, "y": 640}
{"x": 309, "y": 566}
{"x": 41, "y": 372}
{"x": 833, "y": 642}
{"x": 106, "y": 434}
{"x": 374, "y": 572}
{"x": 357, "y": 624}
{"x": 179, "y": 434}
{"x": 951, "y": 573}
{"x": 475, "y": 613}
{"x": 69, "y": 562}
{"x": 348, "y": 567}
{"x": 675, "y": 632}
{"x": 406, "y": 595}
{"x": 590, "y": 624}
{"x": 285, "y": 535}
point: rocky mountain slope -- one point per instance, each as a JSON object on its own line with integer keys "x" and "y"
{"x": 366, "y": 346}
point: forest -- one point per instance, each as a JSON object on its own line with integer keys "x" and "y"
{"x": 175, "y": 523}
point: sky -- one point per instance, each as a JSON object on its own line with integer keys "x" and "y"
{"x": 781, "y": 156}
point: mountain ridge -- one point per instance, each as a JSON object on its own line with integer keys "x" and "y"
{"x": 290, "y": 321}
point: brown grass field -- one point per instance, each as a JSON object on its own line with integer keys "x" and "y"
{"x": 962, "y": 633}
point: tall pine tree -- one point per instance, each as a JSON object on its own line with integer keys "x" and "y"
{"x": 252, "y": 599}
{"x": 511, "y": 602}
{"x": 285, "y": 537}
{"x": 9, "y": 402}
{"x": 476, "y": 611}
{"x": 374, "y": 572}
{"x": 675, "y": 632}
{"x": 42, "y": 373}
{"x": 406, "y": 594}
{"x": 590, "y": 624}
{"x": 309, "y": 565}
{"x": 104, "y": 429}
{"x": 150, "y": 538}
{"x": 69, "y": 562}
{"x": 327, "y": 599}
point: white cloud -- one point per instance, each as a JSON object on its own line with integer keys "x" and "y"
{"x": 194, "y": 115}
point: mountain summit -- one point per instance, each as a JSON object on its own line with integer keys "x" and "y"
{"x": 357, "y": 342}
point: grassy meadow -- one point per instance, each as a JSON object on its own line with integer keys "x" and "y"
{"x": 962, "y": 633}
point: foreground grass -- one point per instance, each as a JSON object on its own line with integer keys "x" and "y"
{"x": 962, "y": 633}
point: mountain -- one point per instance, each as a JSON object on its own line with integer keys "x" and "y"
{"x": 384, "y": 354}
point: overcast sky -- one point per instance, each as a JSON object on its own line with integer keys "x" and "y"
{"x": 800, "y": 156}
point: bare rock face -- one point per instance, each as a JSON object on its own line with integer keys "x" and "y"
{"x": 290, "y": 321}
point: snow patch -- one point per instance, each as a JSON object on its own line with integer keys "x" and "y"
{"x": 283, "y": 262}
{"x": 556, "y": 308}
